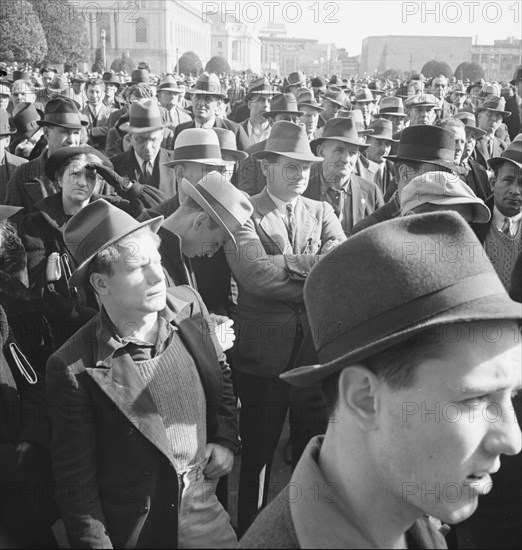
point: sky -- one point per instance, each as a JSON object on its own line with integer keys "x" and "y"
{"x": 346, "y": 23}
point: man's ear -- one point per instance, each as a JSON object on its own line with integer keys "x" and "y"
{"x": 359, "y": 395}
{"x": 99, "y": 283}
{"x": 200, "y": 221}
{"x": 46, "y": 131}
{"x": 179, "y": 171}
{"x": 265, "y": 168}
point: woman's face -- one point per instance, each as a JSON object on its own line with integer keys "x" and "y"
{"x": 79, "y": 181}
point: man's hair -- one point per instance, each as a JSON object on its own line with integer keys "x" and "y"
{"x": 104, "y": 259}
{"x": 395, "y": 366}
{"x": 453, "y": 123}
{"x": 13, "y": 257}
{"x": 94, "y": 82}
{"x": 190, "y": 206}
{"x": 139, "y": 91}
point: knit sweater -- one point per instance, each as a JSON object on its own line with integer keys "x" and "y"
{"x": 176, "y": 388}
{"x": 503, "y": 252}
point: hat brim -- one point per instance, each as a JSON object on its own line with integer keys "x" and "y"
{"x": 505, "y": 114}
{"x": 209, "y": 161}
{"x": 134, "y": 130}
{"x": 237, "y": 155}
{"x": 8, "y": 211}
{"x": 275, "y": 113}
{"x": 82, "y": 124}
{"x": 193, "y": 91}
{"x": 482, "y": 213}
{"x": 385, "y": 138}
{"x": 495, "y": 161}
{"x": 362, "y": 146}
{"x": 175, "y": 90}
{"x": 315, "y": 106}
{"x": 194, "y": 194}
{"x": 445, "y": 164}
{"x": 9, "y": 132}
{"x": 492, "y": 308}
{"x": 401, "y": 115}
{"x": 477, "y": 131}
{"x": 79, "y": 274}
{"x": 305, "y": 157}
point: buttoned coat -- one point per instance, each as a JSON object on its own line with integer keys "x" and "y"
{"x": 481, "y": 150}
{"x": 12, "y": 162}
{"x": 163, "y": 177}
{"x": 116, "y": 483}
{"x": 270, "y": 277}
{"x": 366, "y": 196}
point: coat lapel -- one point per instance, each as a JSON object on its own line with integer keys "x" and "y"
{"x": 359, "y": 199}
{"x": 272, "y": 223}
{"x": 306, "y": 224}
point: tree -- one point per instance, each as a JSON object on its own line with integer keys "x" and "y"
{"x": 473, "y": 71}
{"x": 98, "y": 66}
{"x": 65, "y": 30}
{"x": 218, "y": 65}
{"x": 23, "y": 38}
{"x": 435, "y": 68}
{"x": 189, "y": 63}
{"x": 123, "y": 63}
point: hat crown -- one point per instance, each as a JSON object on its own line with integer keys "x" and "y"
{"x": 439, "y": 184}
{"x": 425, "y": 143}
{"x": 286, "y": 102}
{"x": 342, "y": 128}
{"x": 226, "y": 138}
{"x": 494, "y": 102}
{"x": 5, "y": 128}
{"x": 382, "y": 128}
{"x": 304, "y": 95}
{"x": 145, "y": 115}
{"x": 467, "y": 118}
{"x": 364, "y": 94}
{"x": 260, "y": 85}
{"x": 513, "y": 152}
{"x": 208, "y": 83}
{"x": 140, "y": 76}
{"x": 288, "y": 137}
{"x": 296, "y": 78}
{"x": 197, "y": 144}
{"x": 391, "y": 104}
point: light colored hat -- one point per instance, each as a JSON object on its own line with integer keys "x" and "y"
{"x": 197, "y": 145}
{"x": 391, "y": 105}
{"x": 228, "y": 144}
{"x": 208, "y": 84}
{"x": 169, "y": 84}
{"x": 222, "y": 201}
{"x": 340, "y": 129}
{"x": 364, "y": 95}
{"x": 513, "y": 154}
{"x": 422, "y": 100}
{"x": 442, "y": 188}
{"x": 494, "y": 104}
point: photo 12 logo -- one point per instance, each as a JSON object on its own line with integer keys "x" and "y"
{"x": 253, "y": 12}
{"x": 459, "y": 12}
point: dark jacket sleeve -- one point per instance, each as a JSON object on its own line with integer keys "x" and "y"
{"x": 516, "y": 281}
{"x": 73, "y": 450}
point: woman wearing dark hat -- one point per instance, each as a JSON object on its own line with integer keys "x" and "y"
{"x": 79, "y": 172}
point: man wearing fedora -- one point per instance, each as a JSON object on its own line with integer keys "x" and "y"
{"x": 489, "y": 118}
{"x": 97, "y": 113}
{"x": 502, "y": 237}
{"x": 459, "y": 96}
{"x": 514, "y": 105}
{"x": 8, "y": 162}
{"x": 333, "y": 180}
{"x": 169, "y": 93}
{"x": 333, "y": 101}
{"x": 422, "y": 148}
{"x": 366, "y": 103}
{"x": 29, "y": 140}
{"x": 62, "y": 125}
{"x": 207, "y": 96}
{"x": 422, "y": 109}
{"x": 439, "y": 88}
{"x": 164, "y": 429}
{"x": 277, "y": 248}
{"x": 77, "y": 91}
{"x": 379, "y": 478}
{"x": 250, "y": 177}
{"x": 379, "y": 145}
{"x": 258, "y": 97}
{"x": 145, "y": 160}
{"x": 112, "y": 86}
{"x": 5, "y": 95}
{"x": 312, "y": 110}
{"x": 45, "y": 94}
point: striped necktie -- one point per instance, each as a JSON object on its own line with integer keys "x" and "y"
{"x": 507, "y": 227}
{"x": 291, "y": 223}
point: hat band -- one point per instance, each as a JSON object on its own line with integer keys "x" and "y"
{"x": 141, "y": 123}
{"x": 231, "y": 222}
{"x": 63, "y": 118}
{"x": 426, "y": 152}
{"x": 416, "y": 311}
{"x": 197, "y": 152}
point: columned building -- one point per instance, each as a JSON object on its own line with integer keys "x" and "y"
{"x": 155, "y": 31}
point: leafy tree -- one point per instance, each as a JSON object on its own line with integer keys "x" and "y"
{"x": 65, "y": 30}
{"x": 218, "y": 65}
{"x": 435, "y": 68}
{"x": 22, "y": 35}
{"x": 189, "y": 63}
{"x": 124, "y": 63}
{"x": 473, "y": 71}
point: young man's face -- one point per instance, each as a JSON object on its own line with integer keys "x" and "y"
{"x": 439, "y": 87}
{"x": 95, "y": 94}
{"x": 508, "y": 189}
{"x": 201, "y": 239}
{"x": 258, "y": 105}
{"x": 168, "y": 99}
{"x": 310, "y": 119}
{"x": 4, "y": 101}
{"x": 439, "y": 441}
{"x": 331, "y": 110}
{"x": 137, "y": 283}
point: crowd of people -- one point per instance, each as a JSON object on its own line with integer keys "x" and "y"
{"x": 188, "y": 263}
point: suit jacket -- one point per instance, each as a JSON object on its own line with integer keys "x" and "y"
{"x": 116, "y": 482}
{"x": 242, "y": 141}
{"x": 366, "y": 196}
{"x": 99, "y": 127}
{"x": 250, "y": 178}
{"x": 176, "y": 116}
{"x": 447, "y": 111}
{"x": 514, "y": 122}
{"x": 12, "y": 162}
{"x": 481, "y": 150}
{"x": 163, "y": 178}
{"x": 270, "y": 276}
{"x": 29, "y": 184}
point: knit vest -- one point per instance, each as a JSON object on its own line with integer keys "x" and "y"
{"x": 503, "y": 252}
{"x": 173, "y": 380}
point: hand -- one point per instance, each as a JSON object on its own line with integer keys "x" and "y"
{"x": 110, "y": 176}
{"x": 220, "y": 461}
{"x": 24, "y": 148}
{"x": 328, "y": 246}
{"x": 53, "y": 271}
{"x": 221, "y": 327}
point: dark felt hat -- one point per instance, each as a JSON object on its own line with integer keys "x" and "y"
{"x": 62, "y": 155}
{"x": 111, "y": 78}
{"x": 355, "y": 312}
{"x": 517, "y": 76}
{"x": 425, "y": 143}
{"x": 382, "y": 129}
{"x": 470, "y": 122}
{"x": 144, "y": 116}
{"x": 340, "y": 129}
{"x": 338, "y": 97}
{"x": 283, "y": 104}
{"x": 513, "y": 155}
{"x": 139, "y": 76}
{"x": 494, "y": 104}
{"x": 63, "y": 112}
{"x": 95, "y": 227}
{"x": 306, "y": 98}
{"x": 5, "y": 126}
{"x": 228, "y": 144}
{"x": 259, "y": 87}
{"x": 25, "y": 119}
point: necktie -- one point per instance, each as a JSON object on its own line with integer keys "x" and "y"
{"x": 506, "y": 227}
{"x": 490, "y": 147}
{"x": 146, "y": 173}
{"x": 336, "y": 200}
{"x": 291, "y": 223}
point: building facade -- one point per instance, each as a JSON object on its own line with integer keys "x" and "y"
{"x": 500, "y": 59}
{"x": 410, "y": 53}
{"x": 155, "y": 31}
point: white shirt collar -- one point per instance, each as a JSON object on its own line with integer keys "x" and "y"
{"x": 141, "y": 161}
{"x": 209, "y": 124}
{"x": 281, "y": 205}
{"x": 498, "y": 220}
